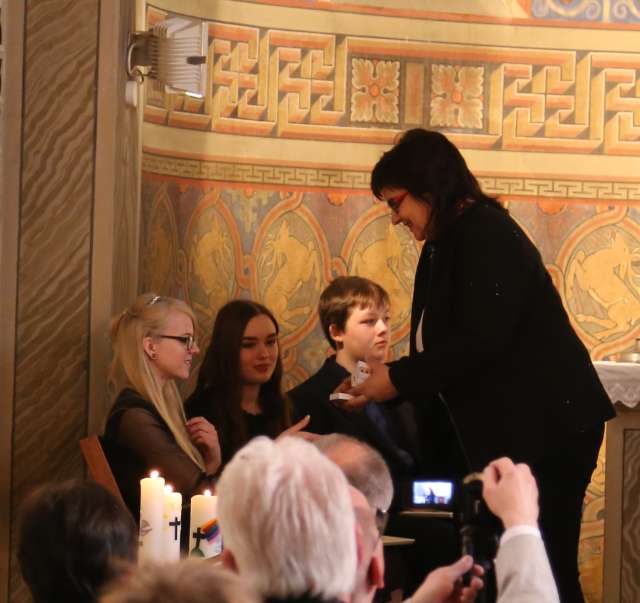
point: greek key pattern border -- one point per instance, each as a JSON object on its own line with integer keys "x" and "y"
{"x": 358, "y": 180}
{"x": 267, "y": 82}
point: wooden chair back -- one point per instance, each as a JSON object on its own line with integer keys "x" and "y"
{"x": 98, "y": 465}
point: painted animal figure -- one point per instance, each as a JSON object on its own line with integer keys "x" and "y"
{"x": 608, "y": 277}
{"x": 212, "y": 262}
{"x": 287, "y": 266}
{"x": 367, "y": 262}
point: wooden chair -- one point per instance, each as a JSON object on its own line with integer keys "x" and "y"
{"x": 98, "y": 465}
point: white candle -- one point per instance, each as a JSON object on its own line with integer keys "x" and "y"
{"x": 151, "y": 511}
{"x": 204, "y": 533}
{"x": 172, "y": 524}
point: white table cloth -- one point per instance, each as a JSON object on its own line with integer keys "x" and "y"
{"x": 621, "y": 380}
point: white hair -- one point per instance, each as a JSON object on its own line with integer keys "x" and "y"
{"x": 286, "y": 515}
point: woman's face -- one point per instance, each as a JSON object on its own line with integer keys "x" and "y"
{"x": 171, "y": 358}
{"x": 258, "y": 351}
{"x": 415, "y": 214}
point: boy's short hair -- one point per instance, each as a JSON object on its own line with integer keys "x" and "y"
{"x": 342, "y": 295}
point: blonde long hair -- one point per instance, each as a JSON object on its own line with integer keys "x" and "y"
{"x": 131, "y": 367}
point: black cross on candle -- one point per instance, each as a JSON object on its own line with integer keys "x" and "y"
{"x": 175, "y": 523}
{"x": 198, "y": 535}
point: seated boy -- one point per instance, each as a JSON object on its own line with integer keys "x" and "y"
{"x": 354, "y": 313}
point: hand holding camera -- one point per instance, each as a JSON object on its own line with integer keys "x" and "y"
{"x": 511, "y": 493}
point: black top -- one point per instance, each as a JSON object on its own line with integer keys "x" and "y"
{"x": 205, "y": 403}
{"x": 498, "y": 344}
{"x": 137, "y": 440}
{"x": 394, "y": 436}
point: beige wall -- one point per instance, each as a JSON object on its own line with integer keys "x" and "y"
{"x": 261, "y": 188}
{"x": 72, "y": 167}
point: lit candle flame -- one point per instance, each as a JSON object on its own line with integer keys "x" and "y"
{"x": 207, "y": 492}
{"x": 168, "y": 488}
{"x": 154, "y": 474}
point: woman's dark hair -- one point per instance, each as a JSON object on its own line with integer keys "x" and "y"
{"x": 432, "y": 169}
{"x": 220, "y": 375}
{"x": 73, "y": 539}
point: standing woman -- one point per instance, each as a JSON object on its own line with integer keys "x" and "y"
{"x": 239, "y": 383}
{"x": 490, "y": 337}
{"x": 154, "y": 344}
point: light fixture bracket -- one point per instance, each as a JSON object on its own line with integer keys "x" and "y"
{"x": 172, "y": 53}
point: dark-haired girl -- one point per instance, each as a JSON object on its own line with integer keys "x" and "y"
{"x": 239, "y": 383}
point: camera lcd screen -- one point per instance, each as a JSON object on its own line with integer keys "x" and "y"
{"x": 432, "y": 493}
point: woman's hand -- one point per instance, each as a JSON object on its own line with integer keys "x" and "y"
{"x": 205, "y": 438}
{"x": 377, "y": 387}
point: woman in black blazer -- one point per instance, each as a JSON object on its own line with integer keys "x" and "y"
{"x": 491, "y": 339}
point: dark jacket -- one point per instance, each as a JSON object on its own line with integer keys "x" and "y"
{"x": 498, "y": 344}
{"x": 312, "y": 398}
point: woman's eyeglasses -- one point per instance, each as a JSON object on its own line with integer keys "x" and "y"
{"x": 382, "y": 517}
{"x": 394, "y": 202}
{"x": 189, "y": 341}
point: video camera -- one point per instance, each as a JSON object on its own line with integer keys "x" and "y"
{"x": 479, "y": 527}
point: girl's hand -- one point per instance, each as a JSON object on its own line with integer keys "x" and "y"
{"x": 296, "y": 430}
{"x": 205, "y": 438}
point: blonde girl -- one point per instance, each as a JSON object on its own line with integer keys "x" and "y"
{"x": 154, "y": 344}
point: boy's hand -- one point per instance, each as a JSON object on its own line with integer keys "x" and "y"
{"x": 377, "y": 388}
{"x": 344, "y": 386}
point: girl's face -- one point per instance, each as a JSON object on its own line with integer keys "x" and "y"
{"x": 258, "y": 351}
{"x": 415, "y": 214}
{"x": 169, "y": 351}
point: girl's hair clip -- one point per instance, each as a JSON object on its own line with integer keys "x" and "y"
{"x": 153, "y": 300}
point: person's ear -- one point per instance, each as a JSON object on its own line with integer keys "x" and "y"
{"x": 359, "y": 544}
{"x": 149, "y": 347}
{"x": 229, "y": 561}
{"x": 375, "y": 573}
{"x": 336, "y": 334}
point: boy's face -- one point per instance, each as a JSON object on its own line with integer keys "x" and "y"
{"x": 366, "y": 334}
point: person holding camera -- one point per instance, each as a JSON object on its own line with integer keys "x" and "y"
{"x": 490, "y": 339}
{"x": 522, "y": 567}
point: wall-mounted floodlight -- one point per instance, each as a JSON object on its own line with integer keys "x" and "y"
{"x": 172, "y": 54}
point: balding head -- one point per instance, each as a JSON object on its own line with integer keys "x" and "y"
{"x": 363, "y": 466}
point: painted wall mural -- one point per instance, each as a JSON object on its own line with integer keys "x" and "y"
{"x": 260, "y": 189}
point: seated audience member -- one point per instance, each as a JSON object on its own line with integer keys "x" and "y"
{"x": 443, "y": 585}
{"x": 354, "y": 313}
{"x": 522, "y": 567}
{"x": 190, "y": 581}
{"x": 510, "y": 491}
{"x": 366, "y": 471}
{"x": 73, "y": 539}
{"x": 154, "y": 344}
{"x": 287, "y": 522}
{"x": 239, "y": 382}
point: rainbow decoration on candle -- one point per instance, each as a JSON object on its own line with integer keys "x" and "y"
{"x": 210, "y": 530}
